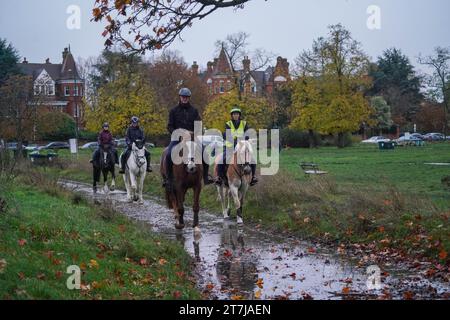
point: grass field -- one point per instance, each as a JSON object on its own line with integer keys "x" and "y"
{"x": 368, "y": 195}
{"x": 43, "y": 230}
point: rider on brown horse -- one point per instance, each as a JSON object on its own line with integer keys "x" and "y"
{"x": 183, "y": 116}
{"x": 238, "y": 128}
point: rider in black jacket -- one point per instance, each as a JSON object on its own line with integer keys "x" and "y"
{"x": 183, "y": 116}
{"x": 134, "y": 132}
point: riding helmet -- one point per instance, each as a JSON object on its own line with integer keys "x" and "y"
{"x": 236, "y": 109}
{"x": 134, "y": 119}
{"x": 185, "y": 92}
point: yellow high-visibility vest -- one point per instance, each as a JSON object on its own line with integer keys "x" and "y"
{"x": 236, "y": 133}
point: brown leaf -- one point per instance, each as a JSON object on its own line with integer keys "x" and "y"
{"x": 22, "y": 242}
{"x": 260, "y": 283}
{"x": 237, "y": 297}
{"x": 442, "y": 254}
{"x": 258, "y": 294}
{"x": 177, "y": 295}
{"x": 143, "y": 262}
{"x": 162, "y": 261}
{"x": 408, "y": 295}
{"x": 58, "y": 274}
{"x": 346, "y": 290}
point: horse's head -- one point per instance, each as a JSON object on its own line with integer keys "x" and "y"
{"x": 244, "y": 153}
{"x": 190, "y": 159}
{"x": 139, "y": 152}
{"x": 138, "y": 144}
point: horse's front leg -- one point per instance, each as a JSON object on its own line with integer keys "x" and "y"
{"x": 126, "y": 180}
{"x": 222, "y": 197}
{"x": 95, "y": 177}
{"x": 105, "y": 180}
{"x": 133, "y": 185}
{"x": 196, "y": 207}
{"x": 180, "y": 206}
{"x": 113, "y": 177}
{"x": 234, "y": 190}
{"x": 242, "y": 194}
{"x": 141, "y": 187}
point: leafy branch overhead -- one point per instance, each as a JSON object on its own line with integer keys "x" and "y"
{"x": 141, "y": 25}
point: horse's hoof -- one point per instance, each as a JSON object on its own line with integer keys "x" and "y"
{"x": 179, "y": 226}
{"x": 112, "y": 188}
{"x": 94, "y": 190}
{"x": 141, "y": 202}
{"x": 129, "y": 200}
{"x": 239, "y": 220}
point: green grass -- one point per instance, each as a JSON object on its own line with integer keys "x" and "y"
{"x": 45, "y": 230}
{"x": 368, "y": 195}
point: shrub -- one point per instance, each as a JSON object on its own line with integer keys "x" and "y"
{"x": 297, "y": 139}
{"x": 56, "y": 126}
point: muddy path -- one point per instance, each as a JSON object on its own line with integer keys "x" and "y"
{"x": 244, "y": 262}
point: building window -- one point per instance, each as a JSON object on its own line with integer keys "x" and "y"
{"x": 76, "y": 91}
{"x": 50, "y": 90}
{"x": 222, "y": 87}
{"x": 66, "y": 91}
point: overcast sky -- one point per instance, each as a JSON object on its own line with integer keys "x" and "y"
{"x": 286, "y": 27}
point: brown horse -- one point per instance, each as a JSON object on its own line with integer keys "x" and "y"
{"x": 238, "y": 176}
{"x": 187, "y": 175}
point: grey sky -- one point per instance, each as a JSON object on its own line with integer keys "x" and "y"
{"x": 286, "y": 27}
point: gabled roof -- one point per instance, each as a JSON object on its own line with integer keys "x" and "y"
{"x": 35, "y": 69}
{"x": 223, "y": 65}
{"x": 69, "y": 69}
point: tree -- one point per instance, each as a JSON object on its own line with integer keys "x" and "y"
{"x": 236, "y": 48}
{"x": 168, "y": 73}
{"x": 382, "y": 113}
{"x": 439, "y": 81}
{"x": 141, "y": 25}
{"x": 431, "y": 117}
{"x": 395, "y": 79}
{"x": 126, "y": 96}
{"x": 329, "y": 95}
{"x": 55, "y": 126}
{"x": 9, "y": 58}
{"x": 18, "y": 104}
{"x": 254, "y": 111}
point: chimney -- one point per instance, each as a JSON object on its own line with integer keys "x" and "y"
{"x": 210, "y": 67}
{"x": 24, "y": 60}
{"x": 246, "y": 63}
{"x": 195, "y": 68}
{"x": 64, "y": 54}
{"x": 47, "y": 61}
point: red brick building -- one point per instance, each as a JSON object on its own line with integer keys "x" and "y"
{"x": 59, "y": 85}
{"x": 220, "y": 77}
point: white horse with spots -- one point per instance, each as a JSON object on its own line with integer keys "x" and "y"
{"x": 135, "y": 171}
{"x": 238, "y": 175}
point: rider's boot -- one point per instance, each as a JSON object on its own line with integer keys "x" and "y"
{"x": 254, "y": 178}
{"x": 122, "y": 165}
{"x": 149, "y": 165}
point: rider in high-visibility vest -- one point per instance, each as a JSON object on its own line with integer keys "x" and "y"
{"x": 238, "y": 128}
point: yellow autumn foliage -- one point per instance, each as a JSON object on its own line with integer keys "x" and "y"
{"x": 256, "y": 111}
{"x": 119, "y": 100}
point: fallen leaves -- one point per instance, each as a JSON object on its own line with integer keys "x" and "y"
{"x": 237, "y": 297}
{"x": 260, "y": 283}
{"x": 228, "y": 254}
{"x": 443, "y": 254}
{"x": 258, "y": 294}
{"x": 93, "y": 264}
{"x": 22, "y": 242}
{"x": 346, "y": 290}
{"x": 162, "y": 261}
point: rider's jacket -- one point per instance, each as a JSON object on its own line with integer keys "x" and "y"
{"x": 105, "y": 138}
{"x": 133, "y": 134}
{"x": 183, "y": 116}
{"x": 238, "y": 129}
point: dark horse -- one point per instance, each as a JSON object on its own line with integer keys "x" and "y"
{"x": 187, "y": 175}
{"x": 104, "y": 163}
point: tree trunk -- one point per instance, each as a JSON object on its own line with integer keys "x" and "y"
{"x": 312, "y": 140}
{"x": 340, "y": 142}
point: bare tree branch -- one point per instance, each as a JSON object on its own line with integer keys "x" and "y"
{"x": 141, "y": 25}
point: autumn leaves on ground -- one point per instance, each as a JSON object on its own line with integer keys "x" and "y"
{"x": 43, "y": 230}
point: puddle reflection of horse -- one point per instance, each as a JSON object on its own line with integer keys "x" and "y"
{"x": 104, "y": 164}
{"x": 186, "y": 175}
{"x": 236, "y": 265}
{"x": 238, "y": 176}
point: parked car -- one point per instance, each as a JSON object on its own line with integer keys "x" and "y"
{"x": 149, "y": 145}
{"x": 55, "y": 146}
{"x": 376, "y": 139}
{"x": 212, "y": 139}
{"x": 90, "y": 145}
{"x": 434, "y": 137}
{"x": 11, "y": 145}
{"x": 32, "y": 147}
{"x": 120, "y": 143}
